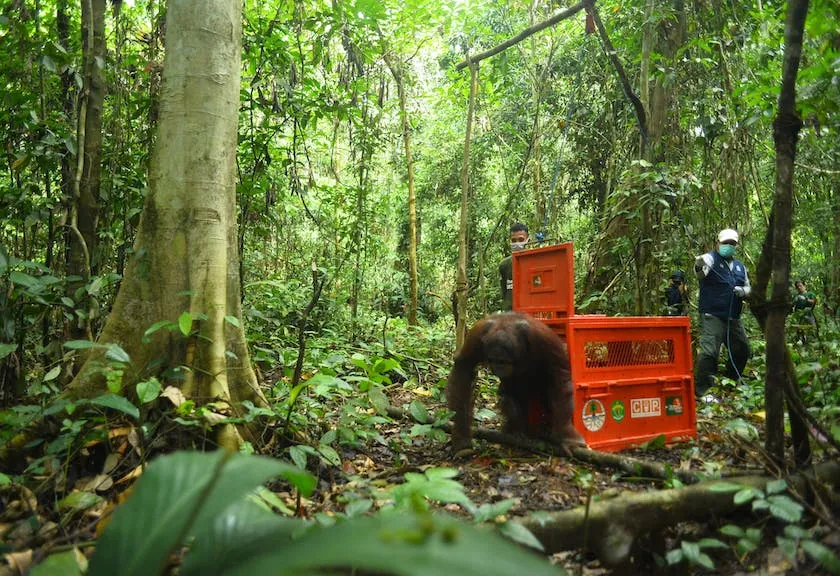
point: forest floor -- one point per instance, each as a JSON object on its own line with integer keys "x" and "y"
{"x": 548, "y": 483}
{"x": 728, "y": 439}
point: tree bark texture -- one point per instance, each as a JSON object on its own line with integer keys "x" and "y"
{"x": 397, "y": 71}
{"x": 84, "y": 205}
{"x": 759, "y": 308}
{"x": 786, "y": 128}
{"x": 463, "y": 236}
{"x": 185, "y": 254}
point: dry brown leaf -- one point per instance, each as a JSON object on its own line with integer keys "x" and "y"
{"x": 99, "y": 483}
{"x": 48, "y": 530}
{"x": 174, "y": 395}
{"x": 111, "y": 462}
{"x": 119, "y": 432}
{"x": 19, "y": 561}
{"x": 134, "y": 440}
{"x": 213, "y": 418}
{"x": 136, "y": 473}
{"x": 21, "y": 502}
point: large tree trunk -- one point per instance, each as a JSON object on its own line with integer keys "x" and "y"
{"x": 759, "y": 308}
{"x": 185, "y": 255}
{"x": 786, "y": 128}
{"x": 84, "y": 205}
{"x": 398, "y": 74}
{"x": 461, "y": 277}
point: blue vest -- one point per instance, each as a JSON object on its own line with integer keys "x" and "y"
{"x": 716, "y": 295}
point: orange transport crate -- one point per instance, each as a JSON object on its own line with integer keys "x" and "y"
{"x": 544, "y": 283}
{"x": 633, "y": 379}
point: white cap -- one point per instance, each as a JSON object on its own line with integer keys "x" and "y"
{"x": 727, "y": 234}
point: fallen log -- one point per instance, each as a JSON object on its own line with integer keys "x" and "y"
{"x": 628, "y": 464}
{"x": 610, "y": 527}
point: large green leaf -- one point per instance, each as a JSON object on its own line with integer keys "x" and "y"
{"x": 67, "y": 563}
{"x": 222, "y": 545}
{"x": 178, "y": 492}
{"x": 80, "y": 344}
{"x": 148, "y": 390}
{"x": 822, "y": 554}
{"x": 398, "y": 543}
{"x": 185, "y": 321}
{"x": 6, "y": 349}
{"x": 117, "y": 354}
{"x": 117, "y": 403}
{"x": 784, "y": 508}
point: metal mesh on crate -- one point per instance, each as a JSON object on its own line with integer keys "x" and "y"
{"x": 618, "y": 353}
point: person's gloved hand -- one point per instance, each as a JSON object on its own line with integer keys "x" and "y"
{"x": 739, "y": 291}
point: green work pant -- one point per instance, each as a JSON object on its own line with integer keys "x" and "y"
{"x": 715, "y": 331}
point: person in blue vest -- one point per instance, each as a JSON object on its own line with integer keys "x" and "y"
{"x": 724, "y": 285}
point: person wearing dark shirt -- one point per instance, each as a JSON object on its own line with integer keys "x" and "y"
{"x": 675, "y": 296}
{"x": 803, "y": 308}
{"x": 518, "y": 240}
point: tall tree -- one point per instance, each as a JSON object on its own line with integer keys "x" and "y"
{"x": 398, "y": 72}
{"x": 83, "y": 210}
{"x": 461, "y": 286}
{"x": 786, "y": 128}
{"x": 184, "y": 267}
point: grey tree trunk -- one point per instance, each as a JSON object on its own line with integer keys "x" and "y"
{"x": 185, "y": 255}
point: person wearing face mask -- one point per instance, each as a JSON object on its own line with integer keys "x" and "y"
{"x": 724, "y": 285}
{"x": 518, "y": 240}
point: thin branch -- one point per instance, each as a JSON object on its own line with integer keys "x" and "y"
{"x": 562, "y": 15}
{"x": 638, "y": 107}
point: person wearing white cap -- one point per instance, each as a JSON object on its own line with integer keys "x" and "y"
{"x": 724, "y": 285}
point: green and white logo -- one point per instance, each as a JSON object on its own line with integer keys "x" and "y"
{"x": 617, "y": 410}
{"x": 594, "y": 415}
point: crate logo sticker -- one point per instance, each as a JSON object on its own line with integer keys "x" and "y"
{"x": 673, "y": 405}
{"x": 594, "y": 415}
{"x": 617, "y": 410}
{"x": 645, "y": 407}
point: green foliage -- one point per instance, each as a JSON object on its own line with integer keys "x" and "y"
{"x": 201, "y": 497}
{"x": 179, "y": 496}
{"x": 692, "y": 553}
{"x": 783, "y": 509}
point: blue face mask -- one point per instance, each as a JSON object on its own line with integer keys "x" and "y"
{"x": 726, "y": 250}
